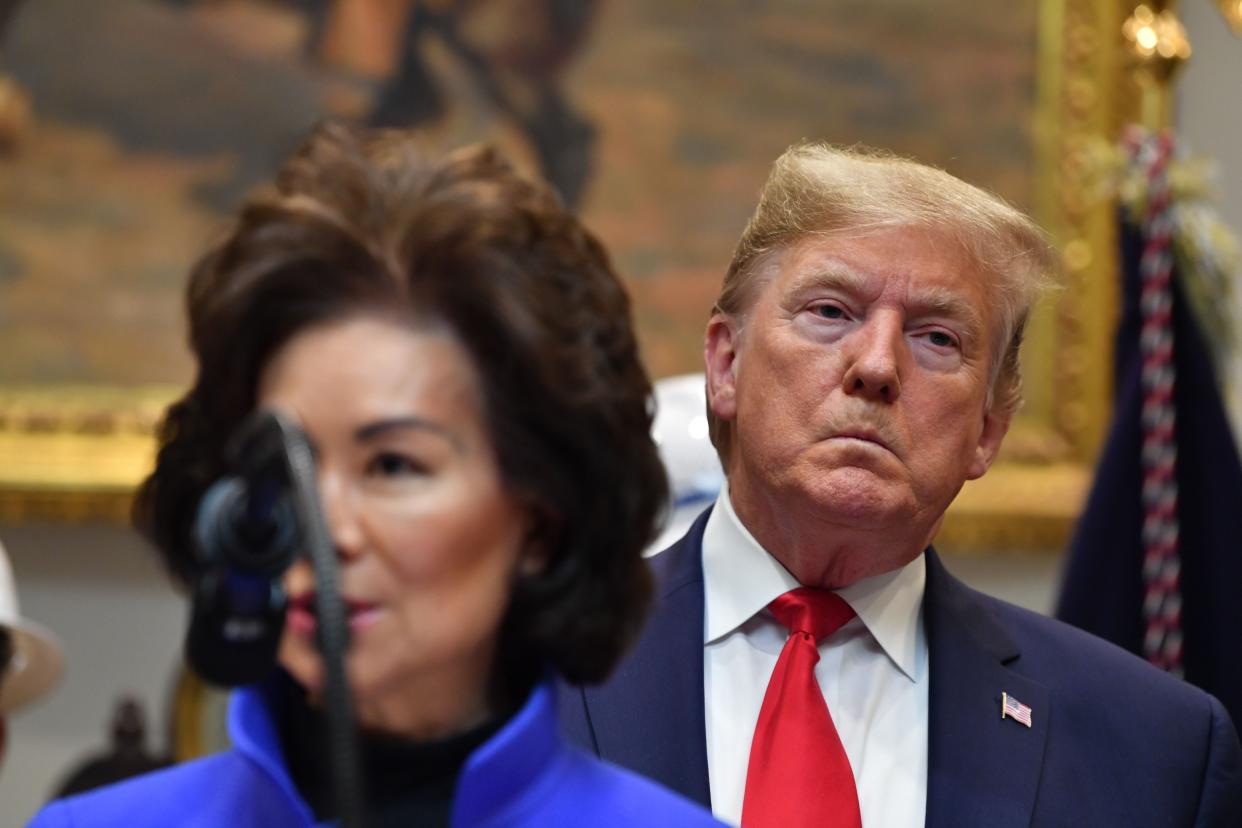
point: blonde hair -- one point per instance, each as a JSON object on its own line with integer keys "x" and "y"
{"x": 820, "y": 190}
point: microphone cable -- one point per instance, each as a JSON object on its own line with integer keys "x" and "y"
{"x": 332, "y": 631}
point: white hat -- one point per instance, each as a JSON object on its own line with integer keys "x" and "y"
{"x": 694, "y": 474}
{"x": 38, "y": 659}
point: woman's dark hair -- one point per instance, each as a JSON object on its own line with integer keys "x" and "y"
{"x": 364, "y": 222}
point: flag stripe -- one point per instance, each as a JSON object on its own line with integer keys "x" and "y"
{"x": 1015, "y": 709}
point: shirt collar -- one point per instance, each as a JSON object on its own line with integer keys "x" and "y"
{"x": 741, "y": 578}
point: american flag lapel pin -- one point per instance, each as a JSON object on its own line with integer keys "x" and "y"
{"x": 1014, "y": 709}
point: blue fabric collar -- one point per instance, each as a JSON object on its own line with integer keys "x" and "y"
{"x": 507, "y": 774}
{"x": 252, "y": 729}
{"x": 515, "y": 768}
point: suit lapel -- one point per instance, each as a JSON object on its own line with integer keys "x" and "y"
{"x": 649, "y": 715}
{"x": 982, "y": 770}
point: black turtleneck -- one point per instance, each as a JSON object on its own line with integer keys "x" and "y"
{"x": 406, "y": 783}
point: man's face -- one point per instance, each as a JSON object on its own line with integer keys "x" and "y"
{"x": 856, "y": 385}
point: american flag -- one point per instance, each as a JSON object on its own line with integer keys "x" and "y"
{"x": 1015, "y": 709}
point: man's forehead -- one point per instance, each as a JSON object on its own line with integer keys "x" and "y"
{"x": 927, "y": 263}
{"x": 916, "y": 288}
{"x": 796, "y": 271}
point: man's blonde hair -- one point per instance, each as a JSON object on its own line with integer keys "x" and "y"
{"x": 818, "y": 190}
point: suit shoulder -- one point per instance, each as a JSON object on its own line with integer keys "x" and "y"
{"x": 1083, "y": 667}
{"x": 681, "y": 564}
{"x": 1114, "y": 718}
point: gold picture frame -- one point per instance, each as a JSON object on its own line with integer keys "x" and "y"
{"x": 75, "y": 453}
{"x": 1031, "y": 498}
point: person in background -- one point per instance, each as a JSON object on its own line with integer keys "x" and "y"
{"x": 812, "y": 662}
{"x": 127, "y": 754}
{"x": 31, "y": 657}
{"x": 460, "y": 354}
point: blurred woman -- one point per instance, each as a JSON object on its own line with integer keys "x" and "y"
{"x": 460, "y": 354}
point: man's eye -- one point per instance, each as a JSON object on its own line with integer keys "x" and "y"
{"x": 830, "y": 311}
{"x": 941, "y": 339}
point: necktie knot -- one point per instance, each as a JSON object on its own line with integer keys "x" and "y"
{"x": 816, "y": 612}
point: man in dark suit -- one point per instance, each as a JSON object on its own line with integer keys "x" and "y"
{"x": 810, "y": 661}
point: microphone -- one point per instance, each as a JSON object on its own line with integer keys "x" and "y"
{"x": 247, "y": 535}
{"x": 249, "y": 528}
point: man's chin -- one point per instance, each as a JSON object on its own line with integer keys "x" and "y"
{"x": 858, "y": 498}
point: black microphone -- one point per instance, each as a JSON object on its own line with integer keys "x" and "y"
{"x": 249, "y": 528}
{"x": 246, "y": 534}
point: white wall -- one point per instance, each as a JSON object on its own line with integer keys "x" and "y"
{"x": 1209, "y": 110}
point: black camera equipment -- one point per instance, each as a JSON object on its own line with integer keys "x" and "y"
{"x": 250, "y": 527}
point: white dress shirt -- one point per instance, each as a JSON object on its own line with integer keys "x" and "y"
{"x": 873, "y": 672}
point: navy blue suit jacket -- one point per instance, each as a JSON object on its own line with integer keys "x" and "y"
{"x": 1113, "y": 740}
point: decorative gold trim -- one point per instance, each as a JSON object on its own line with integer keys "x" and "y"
{"x": 198, "y": 725}
{"x": 75, "y": 453}
{"x": 1087, "y": 92}
{"x": 1033, "y": 495}
{"x": 1017, "y": 508}
{"x": 188, "y": 739}
{"x": 1083, "y": 224}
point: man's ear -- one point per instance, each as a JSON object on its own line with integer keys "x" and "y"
{"x": 720, "y": 358}
{"x": 995, "y": 427}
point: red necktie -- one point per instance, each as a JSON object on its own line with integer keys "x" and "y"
{"x": 799, "y": 775}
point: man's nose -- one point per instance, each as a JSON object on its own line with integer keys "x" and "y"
{"x": 341, "y": 513}
{"x": 873, "y": 372}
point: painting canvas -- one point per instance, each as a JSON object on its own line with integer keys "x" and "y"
{"x": 130, "y": 129}
{"x": 150, "y": 119}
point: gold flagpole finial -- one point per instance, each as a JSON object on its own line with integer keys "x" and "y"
{"x": 1158, "y": 47}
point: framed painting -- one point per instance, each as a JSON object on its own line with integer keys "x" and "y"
{"x": 656, "y": 119}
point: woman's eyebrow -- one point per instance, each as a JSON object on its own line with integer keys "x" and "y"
{"x": 377, "y": 428}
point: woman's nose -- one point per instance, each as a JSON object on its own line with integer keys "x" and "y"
{"x": 340, "y": 511}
